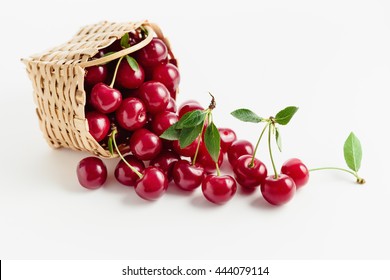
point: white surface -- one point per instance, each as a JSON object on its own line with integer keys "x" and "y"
{"x": 330, "y": 58}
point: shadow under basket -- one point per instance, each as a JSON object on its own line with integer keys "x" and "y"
{"x": 58, "y": 81}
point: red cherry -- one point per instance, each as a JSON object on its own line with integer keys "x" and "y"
{"x": 131, "y": 115}
{"x": 239, "y": 148}
{"x": 295, "y": 169}
{"x": 165, "y": 161}
{"x": 129, "y": 78}
{"x": 171, "y": 107}
{"x": 228, "y": 136}
{"x": 187, "y": 176}
{"x": 189, "y": 106}
{"x": 246, "y": 176}
{"x": 152, "y": 185}
{"x": 124, "y": 174}
{"x": 163, "y": 121}
{"x": 278, "y": 191}
{"x": 219, "y": 189}
{"x": 188, "y": 151}
{"x": 95, "y": 74}
{"x": 98, "y": 125}
{"x": 105, "y": 99}
{"x": 168, "y": 74}
{"x": 155, "y": 96}
{"x": 206, "y": 161}
{"x": 91, "y": 173}
{"x": 154, "y": 53}
{"x": 145, "y": 145}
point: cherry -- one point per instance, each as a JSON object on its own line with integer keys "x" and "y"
{"x": 188, "y": 151}
{"x": 98, "y": 125}
{"x": 295, "y": 169}
{"x": 188, "y": 176}
{"x": 145, "y": 145}
{"x": 168, "y": 74}
{"x": 205, "y": 159}
{"x": 219, "y": 189}
{"x": 163, "y": 121}
{"x": 189, "y": 106}
{"x": 131, "y": 115}
{"x": 228, "y": 136}
{"x": 171, "y": 107}
{"x": 154, "y": 53}
{"x": 91, "y": 173}
{"x": 105, "y": 99}
{"x": 129, "y": 78}
{"x": 165, "y": 161}
{"x": 239, "y": 148}
{"x": 278, "y": 191}
{"x": 152, "y": 185}
{"x": 95, "y": 74}
{"x": 155, "y": 96}
{"x": 124, "y": 174}
{"x": 249, "y": 176}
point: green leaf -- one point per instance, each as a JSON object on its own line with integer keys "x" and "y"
{"x": 246, "y": 115}
{"x": 125, "y": 41}
{"x": 171, "y": 133}
{"x": 189, "y": 134}
{"x": 109, "y": 53}
{"x": 353, "y": 152}
{"x": 191, "y": 119}
{"x": 212, "y": 141}
{"x": 284, "y": 116}
{"x": 110, "y": 145}
{"x": 278, "y": 139}
{"x": 132, "y": 63}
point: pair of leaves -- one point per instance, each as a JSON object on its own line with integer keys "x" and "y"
{"x": 353, "y": 152}
{"x": 283, "y": 117}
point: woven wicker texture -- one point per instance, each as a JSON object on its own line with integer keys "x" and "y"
{"x": 58, "y": 82}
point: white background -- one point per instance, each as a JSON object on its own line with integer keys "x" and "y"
{"x": 330, "y": 58}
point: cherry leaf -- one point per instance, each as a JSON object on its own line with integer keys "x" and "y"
{"x": 189, "y": 134}
{"x": 246, "y": 115}
{"x": 212, "y": 141}
{"x": 353, "y": 152}
{"x": 284, "y": 116}
{"x": 172, "y": 133}
{"x": 132, "y": 63}
{"x": 191, "y": 119}
{"x": 125, "y": 41}
{"x": 278, "y": 139}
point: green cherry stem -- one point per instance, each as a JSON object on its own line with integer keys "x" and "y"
{"x": 208, "y": 112}
{"x": 359, "y": 180}
{"x": 270, "y": 151}
{"x": 257, "y": 146}
{"x": 115, "y": 72}
{"x": 218, "y": 170}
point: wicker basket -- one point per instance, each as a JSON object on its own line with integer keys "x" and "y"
{"x": 58, "y": 81}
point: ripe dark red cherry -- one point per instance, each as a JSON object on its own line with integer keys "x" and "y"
{"x": 131, "y": 115}
{"x": 295, "y": 169}
{"x": 278, "y": 191}
{"x": 154, "y": 53}
{"x": 155, "y": 96}
{"x": 187, "y": 176}
{"x": 127, "y": 77}
{"x": 163, "y": 121}
{"x": 239, "y": 148}
{"x": 152, "y": 185}
{"x": 169, "y": 75}
{"x": 228, "y": 136}
{"x": 171, "y": 107}
{"x": 219, "y": 189}
{"x": 105, "y": 99}
{"x": 124, "y": 174}
{"x": 189, "y": 106}
{"x": 145, "y": 145}
{"x": 206, "y": 161}
{"x": 98, "y": 125}
{"x": 188, "y": 151}
{"x": 91, "y": 173}
{"x": 95, "y": 74}
{"x": 246, "y": 176}
{"x": 165, "y": 161}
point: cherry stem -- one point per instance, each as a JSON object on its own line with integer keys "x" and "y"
{"x": 116, "y": 71}
{"x": 200, "y": 136}
{"x": 270, "y": 151}
{"x": 121, "y": 156}
{"x": 257, "y": 146}
{"x": 359, "y": 180}
{"x": 218, "y": 170}
{"x": 213, "y": 103}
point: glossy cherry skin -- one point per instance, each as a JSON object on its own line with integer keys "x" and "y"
{"x": 91, "y": 173}
{"x": 187, "y": 176}
{"x": 188, "y": 151}
{"x": 249, "y": 177}
{"x": 278, "y": 191}
{"x": 206, "y": 161}
{"x": 155, "y": 96}
{"x": 239, "y": 148}
{"x": 219, "y": 189}
{"x": 169, "y": 75}
{"x": 105, "y": 99}
{"x": 95, "y": 74}
{"x": 171, "y": 107}
{"x": 189, "y": 106}
{"x": 163, "y": 121}
{"x": 131, "y": 115}
{"x": 127, "y": 77}
{"x": 297, "y": 171}
{"x": 152, "y": 54}
{"x": 124, "y": 174}
{"x": 152, "y": 185}
{"x": 165, "y": 161}
{"x": 98, "y": 125}
{"x": 228, "y": 136}
{"x": 145, "y": 145}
